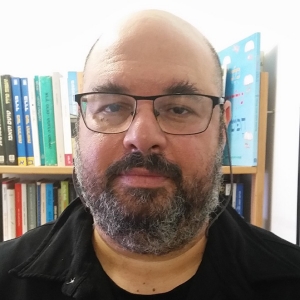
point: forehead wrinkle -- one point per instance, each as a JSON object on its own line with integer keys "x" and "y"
{"x": 178, "y": 87}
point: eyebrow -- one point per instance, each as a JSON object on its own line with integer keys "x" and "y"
{"x": 181, "y": 87}
{"x": 110, "y": 87}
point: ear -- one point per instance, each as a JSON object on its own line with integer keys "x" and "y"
{"x": 227, "y": 112}
{"x": 227, "y": 118}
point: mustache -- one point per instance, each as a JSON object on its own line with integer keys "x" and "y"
{"x": 152, "y": 162}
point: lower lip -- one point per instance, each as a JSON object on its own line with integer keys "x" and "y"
{"x": 143, "y": 181}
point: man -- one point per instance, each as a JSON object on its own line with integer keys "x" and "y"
{"x": 150, "y": 137}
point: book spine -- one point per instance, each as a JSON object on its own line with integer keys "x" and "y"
{"x": 4, "y": 211}
{"x": 240, "y": 198}
{"x": 48, "y": 121}
{"x": 24, "y": 207}
{"x": 9, "y": 126}
{"x": 2, "y": 134}
{"x": 27, "y": 122}
{"x": 72, "y": 90}
{"x": 68, "y": 149}
{"x": 38, "y": 203}
{"x": 11, "y": 212}
{"x": 55, "y": 199}
{"x": 18, "y": 209}
{"x": 49, "y": 202}
{"x": 43, "y": 203}
{"x": 58, "y": 119}
{"x": 34, "y": 122}
{"x": 234, "y": 195}
{"x": 31, "y": 206}
{"x": 19, "y": 121}
{"x": 64, "y": 184}
{"x": 80, "y": 82}
{"x": 39, "y": 118}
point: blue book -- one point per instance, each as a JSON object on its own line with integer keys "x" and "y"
{"x": 19, "y": 121}
{"x": 39, "y": 118}
{"x": 49, "y": 202}
{"x": 72, "y": 90}
{"x": 239, "y": 204}
{"x": 242, "y": 60}
{"x": 27, "y": 121}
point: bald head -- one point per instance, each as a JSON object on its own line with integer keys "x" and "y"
{"x": 154, "y": 32}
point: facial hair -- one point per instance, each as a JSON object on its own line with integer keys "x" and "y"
{"x": 150, "y": 221}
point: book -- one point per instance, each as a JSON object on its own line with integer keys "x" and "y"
{"x": 18, "y": 209}
{"x": 24, "y": 207}
{"x": 19, "y": 121}
{"x": 66, "y": 123}
{"x": 48, "y": 123}
{"x": 1, "y": 209}
{"x": 242, "y": 60}
{"x": 56, "y": 187}
{"x": 31, "y": 205}
{"x": 38, "y": 203}
{"x": 34, "y": 121}
{"x": 8, "y": 208}
{"x": 72, "y": 91}
{"x": 49, "y": 200}
{"x": 79, "y": 83}
{"x": 64, "y": 195}
{"x": 39, "y": 119}
{"x": 2, "y": 123}
{"x": 27, "y": 122}
{"x": 8, "y": 118}
{"x": 239, "y": 205}
{"x": 59, "y": 129}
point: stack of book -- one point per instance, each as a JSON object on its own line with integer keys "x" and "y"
{"x": 27, "y": 204}
{"x": 35, "y": 119}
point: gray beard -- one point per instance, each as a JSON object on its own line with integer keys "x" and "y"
{"x": 150, "y": 221}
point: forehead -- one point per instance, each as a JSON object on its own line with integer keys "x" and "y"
{"x": 146, "y": 55}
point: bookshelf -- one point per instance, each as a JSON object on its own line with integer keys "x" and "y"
{"x": 256, "y": 173}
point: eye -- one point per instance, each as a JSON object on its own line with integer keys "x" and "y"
{"x": 179, "y": 110}
{"x": 112, "y": 108}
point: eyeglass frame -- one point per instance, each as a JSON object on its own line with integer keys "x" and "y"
{"x": 215, "y": 99}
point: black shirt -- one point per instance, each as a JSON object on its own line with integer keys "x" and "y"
{"x": 57, "y": 261}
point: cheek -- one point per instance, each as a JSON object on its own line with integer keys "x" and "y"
{"x": 195, "y": 153}
{"x": 98, "y": 151}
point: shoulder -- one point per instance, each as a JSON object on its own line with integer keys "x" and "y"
{"x": 19, "y": 249}
{"x": 256, "y": 260}
{"x": 22, "y": 250}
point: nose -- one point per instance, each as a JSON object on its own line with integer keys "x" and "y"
{"x": 144, "y": 133}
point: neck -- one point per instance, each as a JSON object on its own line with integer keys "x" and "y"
{"x": 148, "y": 274}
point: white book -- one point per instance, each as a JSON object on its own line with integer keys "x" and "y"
{"x": 34, "y": 122}
{"x": 43, "y": 203}
{"x": 234, "y": 195}
{"x": 58, "y": 119}
{"x": 24, "y": 207}
{"x": 4, "y": 211}
{"x": 8, "y": 209}
{"x": 11, "y": 212}
{"x": 66, "y": 121}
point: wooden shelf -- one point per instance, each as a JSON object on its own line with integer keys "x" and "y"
{"x": 35, "y": 170}
{"x": 69, "y": 170}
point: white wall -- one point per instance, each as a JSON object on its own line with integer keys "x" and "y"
{"x": 38, "y": 37}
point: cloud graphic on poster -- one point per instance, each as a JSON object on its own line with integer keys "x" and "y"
{"x": 226, "y": 60}
{"x": 248, "y": 136}
{"x": 249, "y": 46}
{"x": 248, "y": 79}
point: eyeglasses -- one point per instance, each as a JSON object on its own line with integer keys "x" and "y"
{"x": 179, "y": 114}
